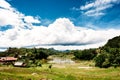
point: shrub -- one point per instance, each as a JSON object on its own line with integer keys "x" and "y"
{"x": 100, "y": 59}
{"x": 85, "y": 54}
{"x": 106, "y": 64}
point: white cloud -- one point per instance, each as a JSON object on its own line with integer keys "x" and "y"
{"x": 10, "y": 16}
{"x": 73, "y": 47}
{"x": 59, "y": 33}
{"x": 97, "y": 7}
{"x": 4, "y": 4}
{"x": 30, "y": 19}
{"x": 97, "y": 11}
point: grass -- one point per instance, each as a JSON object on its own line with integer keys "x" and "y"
{"x": 60, "y": 72}
{"x": 69, "y": 72}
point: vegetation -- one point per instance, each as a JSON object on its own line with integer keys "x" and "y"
{"x": 32, "y": 56}
{"x": 107, "y": 56}
{"x": 67, "y": 73}
{"x": 104, "y": 57}
{"x": 102, "y": 61}
{"x": 87, "y": 54}
{"x": 114, "y": 42}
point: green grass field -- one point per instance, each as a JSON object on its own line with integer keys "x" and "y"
{"x": 59, "y": 72}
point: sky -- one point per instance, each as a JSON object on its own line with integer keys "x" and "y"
{"x": 58, "y": 24}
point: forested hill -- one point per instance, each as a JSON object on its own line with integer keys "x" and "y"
{"x": 114, "y": 42}
{"x": 109, "y": 54}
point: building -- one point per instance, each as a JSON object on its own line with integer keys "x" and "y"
{"x": 7, "y": 60}
{"x": 19, "y": 64}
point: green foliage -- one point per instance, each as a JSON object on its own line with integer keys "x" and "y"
{"x": 86, "y": 54}
{"x": 104, "y": 57}
{"x": 106, "y": 63}
{"x": 108, "y": 58}
{"x": 114, "y": 42}
{"x": 38, "y": 63}
{"x": 100, "y": 59}
{"x": 31, "y": 56}
{"x": 109, "y": 54}
{"x": 41, "y": 55}
{"x": 2, "y": 54}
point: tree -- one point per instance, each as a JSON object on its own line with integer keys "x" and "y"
{"x": 87, "y": 54}
{"x": 100, "y": 59}
{"x": 41, "y": 55}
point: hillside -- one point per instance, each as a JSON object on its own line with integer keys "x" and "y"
{"x": 114, "y": 42}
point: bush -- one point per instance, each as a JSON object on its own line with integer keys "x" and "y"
{"x": 100, "y": 59}
{"x": 115, "y": 65}
{"x": 106, "y": 64}
{"x": 85, "y": 54}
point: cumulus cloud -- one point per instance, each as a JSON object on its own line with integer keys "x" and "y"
{"x": 61, "y": 34}
{"x": 4, "y": 4}
{"x": 98, "y": 7}
{"x": 10, "y": 16}
{"x": 30, "y": 19}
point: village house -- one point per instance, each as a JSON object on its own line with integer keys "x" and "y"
{"x": 19, "y": 64}
{"x": 7, "y": 60}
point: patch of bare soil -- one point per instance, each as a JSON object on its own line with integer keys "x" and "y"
{"x": 85, "y": 67}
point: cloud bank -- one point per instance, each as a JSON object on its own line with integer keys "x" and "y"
{"x": 62, "y": 34}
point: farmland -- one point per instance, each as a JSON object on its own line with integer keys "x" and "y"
{"x": 76, "y": 71}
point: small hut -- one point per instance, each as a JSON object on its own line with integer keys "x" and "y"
{"x": 19, "y": 64}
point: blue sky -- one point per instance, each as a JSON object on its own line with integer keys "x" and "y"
{"x": 53, "y": 9}
{"x": 46, "y": 9}
{"x": 61, "y": 24}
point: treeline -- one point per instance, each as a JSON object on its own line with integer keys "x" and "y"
{"x": 109, "y": 54}
{"x": 104, "y": 57}
{"x": 87, "y": 54}
{"x": 38, "y": 53}
{"x": 31, "y": 56}
{"x": 108, "y": 57}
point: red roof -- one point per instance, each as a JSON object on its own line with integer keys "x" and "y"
{"x": 2, "y": 59}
